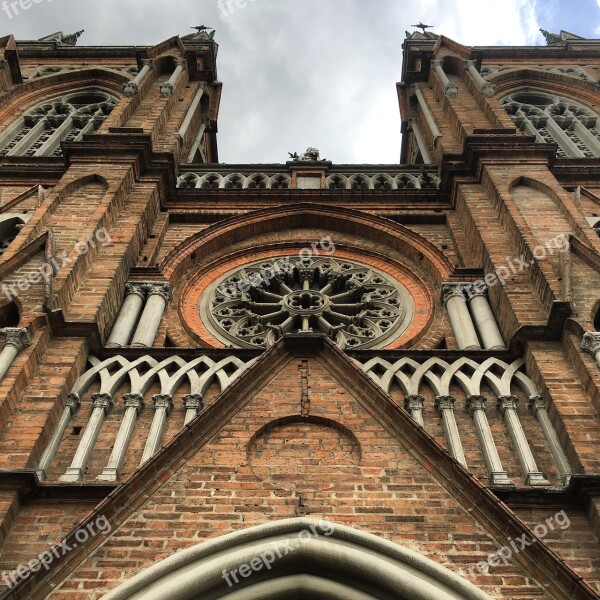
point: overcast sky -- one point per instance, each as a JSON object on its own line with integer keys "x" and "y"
{"x": 301, "y": 73}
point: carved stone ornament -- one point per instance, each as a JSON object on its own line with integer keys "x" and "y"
{"x": 353, "y": 304}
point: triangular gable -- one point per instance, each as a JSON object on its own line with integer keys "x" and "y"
{"x": 301, "y": 380}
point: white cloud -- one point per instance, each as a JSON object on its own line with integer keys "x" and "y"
{"x": 312, "y": 72}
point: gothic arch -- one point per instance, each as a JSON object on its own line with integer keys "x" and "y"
{"x": 555, "y": 117}
{"x": 59, "y": 117}
{"x": 327, "y": 560}
{"x": 333, "y": 219}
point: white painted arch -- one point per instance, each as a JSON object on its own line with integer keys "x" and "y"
{"x": 346, "y": 565}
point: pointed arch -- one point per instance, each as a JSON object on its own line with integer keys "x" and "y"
{"x": 329, "y": 560}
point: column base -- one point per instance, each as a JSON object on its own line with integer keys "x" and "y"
{"x": 536, "y": 478}
{"x": 108, "y": 475}
{"x": 500, "y": 478}
{"x": 73, "y": 475}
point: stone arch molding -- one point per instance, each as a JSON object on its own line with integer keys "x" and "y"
{"x": 333, "y": 219}
{"x": 347, "y": 564}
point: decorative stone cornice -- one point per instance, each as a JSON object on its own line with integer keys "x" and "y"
{"x": 17, "y": 337}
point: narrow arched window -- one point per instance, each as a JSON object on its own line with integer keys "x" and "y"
{"x": 66, "y": 118}
{"x": 556, "y": 120}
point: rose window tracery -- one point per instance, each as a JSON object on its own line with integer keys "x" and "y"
{"x": 355, "y": 305}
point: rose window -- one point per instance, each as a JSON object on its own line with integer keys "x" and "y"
{"x": 355, "y": 305}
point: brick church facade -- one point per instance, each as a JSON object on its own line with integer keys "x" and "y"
{"x": 305, "y": 379}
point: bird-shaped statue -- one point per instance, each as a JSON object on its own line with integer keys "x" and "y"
{"x": 294, "y": 156}
{"x": 422, "y": 26}
{"x": 201, "y": 28}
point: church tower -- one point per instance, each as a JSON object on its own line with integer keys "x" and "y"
{"x": 304, "y": 379}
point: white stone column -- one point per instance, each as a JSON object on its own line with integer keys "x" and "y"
{"x": 197, "y": 141}
{"x": 476, "y": 408}
{"x": 421, "y": 143}
{"x": 591, "y": 344}
{"x": 128, "y": 316}
{"x": 414, "y": 405}
{"x": 445, "y": 407}
{"x": 189, "y": 115}
{"x": 460, "y": 318}
{"x": 71, "y": 406}
{"x": 507, "y": 405}
{"x": 435, "y": 132}
{"x": 133, "y": 406}
{"x": 131, "y": 88}
{"x": 158, "y": 296}
{"x": 163, "y": 404}
{"x": 193, "y": 405}
{"x": 486, "y": 322}
{"x": 50, "y": 145}
{"x": 450, "y": 89}
{"x": 17, "y": 339}
{"x": 487, "y": 89}
{"x": 539, "y": 408}
{"x": 166, "y": 89}
{"x": 76, "y": 472}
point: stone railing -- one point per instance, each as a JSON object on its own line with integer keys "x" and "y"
{"x": 341, "y": 177}
{"x": 136, "y": 377}
{"x": 439, "y": 376}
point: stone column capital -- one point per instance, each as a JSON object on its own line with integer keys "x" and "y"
{"x": 17, "y": 337}
{"x": 444, "y": 403}
{"x": 193, "y": 401}
{"x": 536, "y": 403}
{"x": 163, "y": 401}
{"x": 147, "y": 62}
{"x": 159, "y": 289}
{"x": 414, "y": 402}
{"x": 591, "y": 342}
{"x": 103, "y": 401}
{"x": 507, "y": 402}
{"x": 73, "y": 402}
{"x": 414, "y": 89}
{"x": 137, "y": 289}
{"x": 452, "y": 290}
{"x": 488, "y": 90}
{"x": 470, "y": 63}
{"x": 181, "y": 62}
{"x": 475, "y": 403}
{"x": 134, "y": 401}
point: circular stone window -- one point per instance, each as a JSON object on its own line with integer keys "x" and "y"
{"x": 354, "y": 304}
